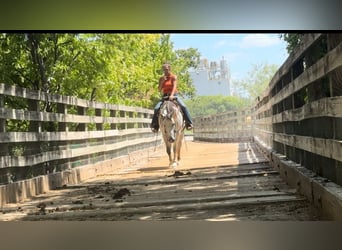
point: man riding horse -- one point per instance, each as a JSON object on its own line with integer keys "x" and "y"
{"x": 168, "y": 87}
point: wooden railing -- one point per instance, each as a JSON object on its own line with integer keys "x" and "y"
{"x": 300, "y": 114}
{"x": 297, "y": 122}
{"x": 235, "y": 126}
{"x": 72, "y": 133}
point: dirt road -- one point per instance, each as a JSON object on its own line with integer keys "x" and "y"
{"x": 215, "y": 181}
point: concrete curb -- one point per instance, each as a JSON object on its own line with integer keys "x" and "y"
{"x": 325, "y": 196}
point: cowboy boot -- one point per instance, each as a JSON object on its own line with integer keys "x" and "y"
{"x": 154, "y": 123}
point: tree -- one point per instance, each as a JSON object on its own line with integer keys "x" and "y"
{"x": 135, "y": 65}
{"x": 184, "y": 60}
{"x": 292, "y": 39}
{"x": 208, "y": 105}
{"x": 114, "y": 68}
{"x": 51, "y": 62}
{"x": 256, "y": 81}
{"x": 133, "y": 61}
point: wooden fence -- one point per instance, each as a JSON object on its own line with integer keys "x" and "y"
{"x": 235, "y": 126}
{"x": 297, "y": 122}
{"x": 300, "y": 114}
{"x": 72, "y": 133}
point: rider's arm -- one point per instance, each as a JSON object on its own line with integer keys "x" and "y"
{"x": 174, "y": 86}
{"x": 161, "y": 81}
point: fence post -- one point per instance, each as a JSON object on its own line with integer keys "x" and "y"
{"x": 4, "y": 146}
{"x": 35, "y": 126}
{"x": 99, "y": 126}
{"x": 113, "y": 115}
{"x": 81, "y": 126}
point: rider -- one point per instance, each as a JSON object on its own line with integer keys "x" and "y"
{"x": 168, "y": 87}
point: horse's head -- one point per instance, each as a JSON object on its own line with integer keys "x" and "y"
{"x": 167, "y": 120}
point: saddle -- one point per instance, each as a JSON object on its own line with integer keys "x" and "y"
{"x": 167, "y": 98}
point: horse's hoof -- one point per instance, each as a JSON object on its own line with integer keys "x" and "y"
{"x": 175, "y": 164}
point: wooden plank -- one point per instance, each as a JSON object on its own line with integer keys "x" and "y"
{"x": 331, "y": 61}
{"x": 23, "y": 161}
{"x": 201, "y": 178}
{"x": 16, "y": 114}
{"x": 298, "y": 52}
{"x": 232, "y": 125}
{"x": 85, "y": 211}
{"x": 199, "y": 212}
{"x": 325, "y": 107}
{"x": 13, "y": 137}
{"x": 12, "y": 90}
{"x": 325, "y": 147}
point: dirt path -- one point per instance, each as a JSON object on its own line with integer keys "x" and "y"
{"x": 230, "y": 181}
{"x": 200, "y": 155}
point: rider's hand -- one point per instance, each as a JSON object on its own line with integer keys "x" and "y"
{"x": 171, "y": 97}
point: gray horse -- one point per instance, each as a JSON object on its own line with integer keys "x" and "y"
{"x": 172, "y": 128}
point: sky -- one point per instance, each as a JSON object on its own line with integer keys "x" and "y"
{"x": 241, "y": 51}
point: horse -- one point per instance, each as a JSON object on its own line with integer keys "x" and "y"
{"x": 172, "y": 126}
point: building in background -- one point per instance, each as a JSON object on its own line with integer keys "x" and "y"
{"x": 211, "y": 78}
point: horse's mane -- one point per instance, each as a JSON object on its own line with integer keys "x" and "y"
{"x": 170, "y": 108}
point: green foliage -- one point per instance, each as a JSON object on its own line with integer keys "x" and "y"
{"x": 114, "y": 68}
{"x": 118, "y": 68}
{"x": 186, "y": 59}
{"x": 256, "y": 81}
{"x": 292, "y": 39}
{"x": 51, "y": 62}
{"x": 208, "y": 105}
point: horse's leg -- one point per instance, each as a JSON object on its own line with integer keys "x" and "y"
{"x": 179, "y": 146}
{"x": 168, "y": 151}
{"x": 174, "y": 161}
{"x": 180, "y": 138}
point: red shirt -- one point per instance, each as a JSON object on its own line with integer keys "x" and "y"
{"x": 167, "y": 85}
